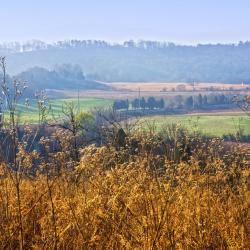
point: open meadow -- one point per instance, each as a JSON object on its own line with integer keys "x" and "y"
{"x": 214, "y": 123}
{"x": 29, "y": 114}
{"x": 208, "y": 124}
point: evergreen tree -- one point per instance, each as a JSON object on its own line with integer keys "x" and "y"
{"x": 205, "y": 103}
{"x": 199, "y": 101}
{"x": 143, "y": 103}
{"x": 161, "y": 104}
{"x": 189, "y": 102}
{"x": 151, "y": 102}
{"x": 135, "y": 103}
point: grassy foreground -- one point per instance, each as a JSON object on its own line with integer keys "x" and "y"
{"x": 211, "y": 125}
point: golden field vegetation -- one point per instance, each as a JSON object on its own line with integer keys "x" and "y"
{"x": 168, "y": 191}
{"x": 168, "y": 86}
{"x": 128, "y": 90}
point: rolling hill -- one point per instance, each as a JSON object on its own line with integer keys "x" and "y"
{"x": 64, "y": 77}
{"x": 143, "y": 61}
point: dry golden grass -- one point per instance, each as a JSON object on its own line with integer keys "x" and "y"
{"x": 128, "y": 90}
{"x": 130, "y": 198}
{"x": 155, "y": 86}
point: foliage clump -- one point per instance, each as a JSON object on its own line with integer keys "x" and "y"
{"x": 131, "y": 197}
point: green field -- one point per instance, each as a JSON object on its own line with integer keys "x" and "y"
{"x": 30, "y": 114}
{"x": 211, "y": 125}
{"x": 208, "y": 124}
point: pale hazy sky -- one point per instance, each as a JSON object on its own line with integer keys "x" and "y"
{"x": 181, "y": 21}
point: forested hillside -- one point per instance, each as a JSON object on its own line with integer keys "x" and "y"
{"x": 62, "y": 77}
{"x": 136, "y": 61}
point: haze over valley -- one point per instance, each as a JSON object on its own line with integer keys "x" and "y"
{"x": 142, "y": 61}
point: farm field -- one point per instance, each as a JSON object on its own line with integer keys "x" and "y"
{"x": 154, "y": 86}
{"x": 208, "y": 124}
{"x": 123, "y": 90}
{"x": 30, "y": 114}
{"x": 216, "y": 123}
{"x": 169, "y": 90}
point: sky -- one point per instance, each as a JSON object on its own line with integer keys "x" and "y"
{"x": 179, "y": 21}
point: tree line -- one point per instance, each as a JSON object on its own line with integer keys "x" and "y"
{"x": 139, "y": 103}
{"x": 202, "y": 101}
{"x": 177, "y": 102}
{"x": 34, "y": 45}
{"x": 142, "y": 61}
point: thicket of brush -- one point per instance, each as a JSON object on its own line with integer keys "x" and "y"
{"x": 155, "y": 192}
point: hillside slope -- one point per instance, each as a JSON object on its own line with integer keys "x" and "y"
{"x": 145, "y": 61}
{"x": 39, "y": 78}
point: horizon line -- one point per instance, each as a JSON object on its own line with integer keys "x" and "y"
{"x": 122, "y": 42}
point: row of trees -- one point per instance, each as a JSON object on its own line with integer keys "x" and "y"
{"x": 150, "y": 103}
{"x": 202, "y": 101}
{"x": 139, "y": 103}
{"x": 121, "y": 104}
{"x": 33, "y": 45}
{"x": 178, "y": 102}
